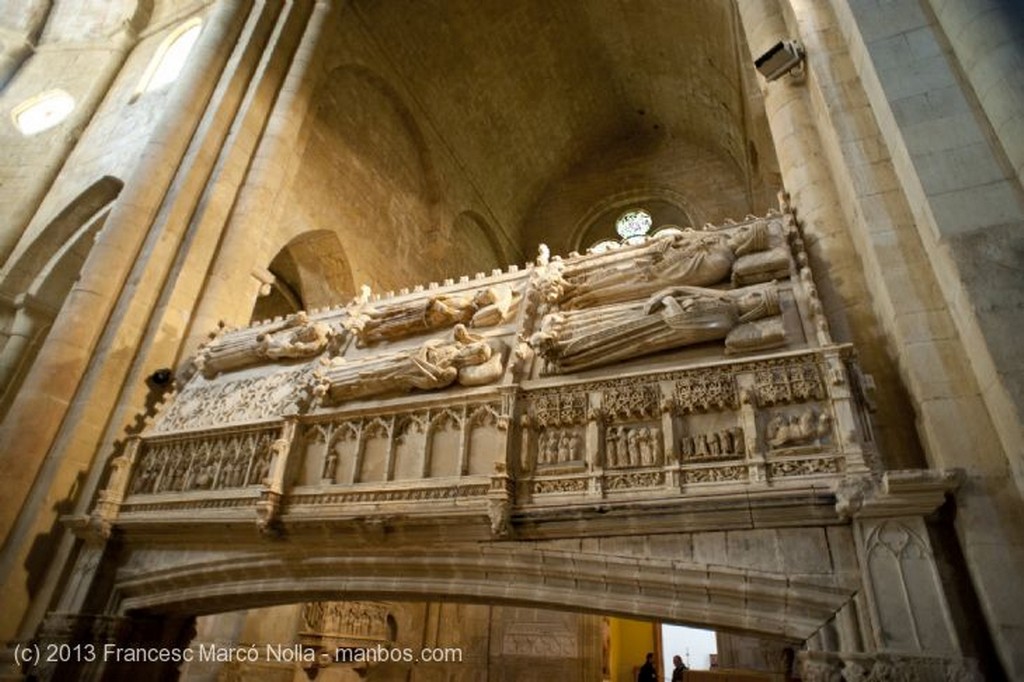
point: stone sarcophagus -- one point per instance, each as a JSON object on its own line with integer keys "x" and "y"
{"x": 689, "y": 363}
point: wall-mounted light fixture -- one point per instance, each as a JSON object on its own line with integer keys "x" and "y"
{"x": 784, "y": 57}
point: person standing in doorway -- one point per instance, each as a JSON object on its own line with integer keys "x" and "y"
{"x": 679, "y": 669}
{"x": 647, "y": 672}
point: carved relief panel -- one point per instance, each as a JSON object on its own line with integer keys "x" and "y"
{"x": 632, "y": 446}
{"x": 710, "y": 437}
{"x": 559, "y": 448}
{"x": 794, "y": 430}
{"x": 224, "y": 461}
{"x": 904, "y": 587}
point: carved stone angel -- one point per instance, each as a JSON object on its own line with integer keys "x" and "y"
{"x": 673, "y": 317}
{"x": 693, "y": 258}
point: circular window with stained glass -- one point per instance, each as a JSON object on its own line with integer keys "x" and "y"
{"x": 633, "y": 224}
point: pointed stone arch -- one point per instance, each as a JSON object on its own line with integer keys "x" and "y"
{"x": 38, "y": 277}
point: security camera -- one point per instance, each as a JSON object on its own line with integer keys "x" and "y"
{"x": 780, "y": 59}
{"x": 160, "y": 378}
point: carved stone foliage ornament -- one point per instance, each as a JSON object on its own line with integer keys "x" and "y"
{"x": 704, "y": 390}
{"x": 202, "y": 404}
{"x": 346, "y": 619}
{"x": 558, "y": 408}
{"x": 785, "y": 381}
{"x": 818, "y": 666}
{"x": 633, "y": 401}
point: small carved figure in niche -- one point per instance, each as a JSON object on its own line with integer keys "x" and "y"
{"x": 564, "y": 447}
{"x": 468, "y": 358}
{"x": 188, "y": 480}
{"x": 633, "y": 440}
{"x": 725, "y": 441}
{"x": 145, "y": 479}
{"x": 739, "y": 444}
{"x": 313, "y": 616}
{"x": 611, "y": 449}
{"x": 227, "y": 474}
{"x": 261, "y": 467}
{"x": 824, "y": 425}
{"x": 648, "y": 456}
{"x": 551, "y": 453}
{"x": 623, "y": 447}
{"x": 499, "y": 512}
{"x": 330, "y": 465}
{"x": 674, "y": 317}
{"x": 178, "y": 477}
{"x": 721, "y": 444}
{"x": 702, "y": 449}
{"x": 690, "y": 257}
{"x": 542, "y": 448}
{"x": 240, "y": 464}
{"x": 575, "y": 446}
{"x": 207, "y": 477}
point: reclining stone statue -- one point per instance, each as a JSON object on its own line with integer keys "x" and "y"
{"x": 468, "y": 359}
{"x": 296, "y": 336}
{"x": 747, "y": 319}
{"x": 691, "y": 257}
{"x": 483, "y": 308}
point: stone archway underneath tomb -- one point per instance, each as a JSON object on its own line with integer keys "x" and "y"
{"x": 684, "y": 444}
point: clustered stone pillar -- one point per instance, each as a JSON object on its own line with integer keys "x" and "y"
{"x": 30, "y": 460}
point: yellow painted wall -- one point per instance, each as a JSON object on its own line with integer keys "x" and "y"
{"x": 630, "y": 642}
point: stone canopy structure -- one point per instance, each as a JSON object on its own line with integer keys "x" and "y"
{"x": 801, "y": 428}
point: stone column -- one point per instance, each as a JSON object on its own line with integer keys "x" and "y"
{"x": 272, "y": 168}
{"x": 794, "y": 121}
{"x": 31, "y": 318}
{"x": 83, "y": 647}
{"x": 33, "y": 423}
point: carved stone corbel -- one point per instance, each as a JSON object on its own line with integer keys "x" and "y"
{"x": 851, "y": 494}
{"x": 268, "y": 509}
{"x": 499, "y": 501}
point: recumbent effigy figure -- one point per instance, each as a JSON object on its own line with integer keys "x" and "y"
{"x": 468, "y": 359}
{"x": 747, "y": 319}
{"x": 483, "y": 308}
{"x": 691, "y": 257}
{"x": 295, "y": 337}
